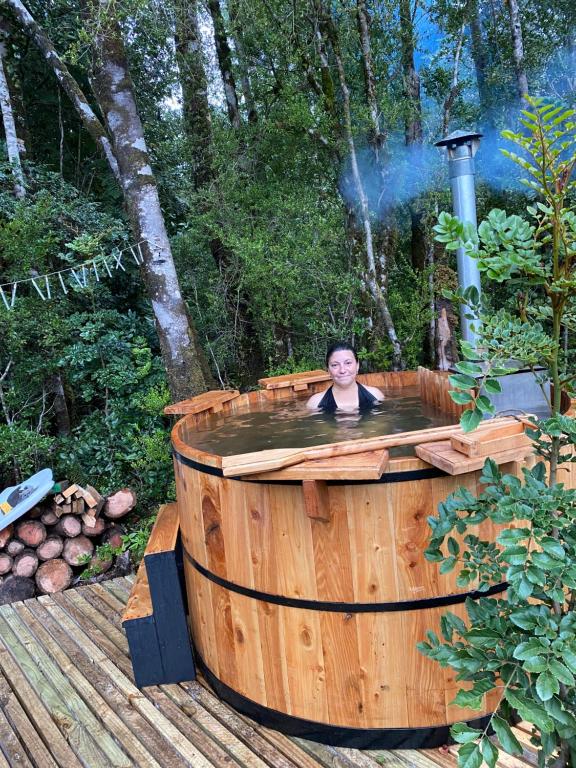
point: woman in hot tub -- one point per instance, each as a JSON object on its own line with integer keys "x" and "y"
{"x": 345, "y": 394}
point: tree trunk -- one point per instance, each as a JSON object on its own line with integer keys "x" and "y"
{"x": 480, "y": 62}
{"x": 195, "y": 107}
{"x": 115, "y": 93}
{"x": 238, "y": 40}
{"x": 410, "y": 77}
{"x": 518, "y": 50}
{"x": 10, "y": 128}
{"x": 225, "y": 62}
{"x": 378, "y": 289}
{"x": 70, "y": 86}
{"x": 377, "y": 138}
{"x": 455, "y": 87}
{"x": 55, "y": 385}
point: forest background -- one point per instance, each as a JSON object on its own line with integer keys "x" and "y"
{"x": 271, "y": 163}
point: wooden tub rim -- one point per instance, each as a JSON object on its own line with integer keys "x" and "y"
{"x": 211, "y": 463}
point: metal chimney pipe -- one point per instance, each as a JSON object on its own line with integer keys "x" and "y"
{"x": 461, "y": 148}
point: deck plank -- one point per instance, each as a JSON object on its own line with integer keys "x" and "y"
{"x": 98, "y": 745}
{"x": 18, "y": 720}
{"x": 89, "y": 694}
{"x": 68, "y": 700}
{"x": 151, "y": 739}
{"x": 49, "y": 720}
{"x": 123, "y": 682}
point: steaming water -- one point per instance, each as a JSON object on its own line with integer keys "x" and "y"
{"x": 292, "y": 425}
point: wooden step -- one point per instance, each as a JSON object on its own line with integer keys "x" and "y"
{"x": 155, "y": 617}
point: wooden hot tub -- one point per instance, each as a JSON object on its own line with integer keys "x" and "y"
{"x": 308, "y": 588}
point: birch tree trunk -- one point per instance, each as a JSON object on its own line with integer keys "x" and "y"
{"x": 10, "y": 128}
{"x": 410, "y": 77}
{"x": 455, "y": 86}
{"x": 377, "y": 137}
{"x": 115, "y": 94}
{"x": 68, "y": 83}
{"x": 480, "y": 62}
{"x": 378, "y": 288}
{"x": 225, "y": 62}
{"x": 518, "y": 50}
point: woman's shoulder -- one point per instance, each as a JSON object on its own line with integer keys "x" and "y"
{"x": 314, "y": 401}
{"x": 378, "y": 394}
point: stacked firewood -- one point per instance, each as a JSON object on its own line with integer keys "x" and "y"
{"x": 58, "y": 539}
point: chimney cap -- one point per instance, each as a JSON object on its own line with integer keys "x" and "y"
{"x": 456, "y": 138}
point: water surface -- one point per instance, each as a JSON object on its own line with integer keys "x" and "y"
{"x": 292, "y": 425}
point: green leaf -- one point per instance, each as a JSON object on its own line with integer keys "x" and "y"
{"x": 463, "y": 734}
{"x": 530, "y": 711}
{"x": 482, "y": 637}
{"x": 505, "y": 736}
{"x": 462, "y": 398}
{"x": 469, "y": 756}
{"x": 570, "y": 659}
{"x": 552, "y": 547}
{"x": 535, "y": 664}
{"x": 561, "y": 672}
{"x": 461, "y": 381}
{"x": 484, "y": 404}
{"x": 470, "y": 420}
{"x": 527, "y": 650}
{"x": 453, "y": 546}
{"x": 547, "y": 685}
{"x": 489, "y": 752}
{"x": 469, "y": 368}
{"x": 492, "y": 386}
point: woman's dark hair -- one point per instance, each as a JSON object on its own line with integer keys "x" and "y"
{"x": 340, "y": 346}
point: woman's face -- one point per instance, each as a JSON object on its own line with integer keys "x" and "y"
{"x": 343, "y": 367}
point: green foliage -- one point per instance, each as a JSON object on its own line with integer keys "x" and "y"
{"x": 136, "y": 540}
{"x": 98, "y": 343}
{"x": 103, "y": 553}
{"x": 523, "y": 644}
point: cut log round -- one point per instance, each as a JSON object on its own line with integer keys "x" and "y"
{"x": 69, "y": 526}
{"x": 31, "y": 532}
{"x": 49, "y": 517}
{"x": 76, "y": 549}
{"x": 113, "y": 536}
{"x": 53, "y": 576}
{"x": 50, "y": 548}
{"x": 119, "y": 503}
{"x": 96, "y": 528}
{"x": 6, "y": 535}
{"x": 34, "y": 513}
{"x": 15, "y": 588}
{"x": 14, "y": 547}
{"x": 6, "y": 561}
{"x": 25, "y": 564}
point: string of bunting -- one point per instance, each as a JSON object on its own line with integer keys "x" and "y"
{"x": 79, "y": 275}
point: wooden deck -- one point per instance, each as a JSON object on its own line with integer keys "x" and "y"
{"x": 67, "y": 698}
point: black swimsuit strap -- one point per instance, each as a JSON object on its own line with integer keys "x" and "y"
{"x": 365, "y": 400}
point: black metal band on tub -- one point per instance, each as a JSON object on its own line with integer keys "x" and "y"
{"x": 334, "y": 735}
{"x": 334, "y": 607}
{"x": 388, "y": 477}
